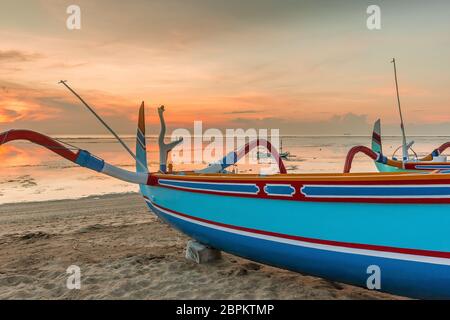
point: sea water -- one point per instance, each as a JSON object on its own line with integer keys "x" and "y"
{"x": 33, "y": 173}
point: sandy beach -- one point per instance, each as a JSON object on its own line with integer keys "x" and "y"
{"x": 125, "y": 252}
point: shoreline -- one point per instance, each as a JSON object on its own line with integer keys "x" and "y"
{"x": 126, "y": 252}
{"x": 91, "y": 196}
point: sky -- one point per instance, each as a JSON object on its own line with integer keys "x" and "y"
{"x": 304, "y": 67}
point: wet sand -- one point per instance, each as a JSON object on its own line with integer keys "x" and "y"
{"x": 125, "y": 252}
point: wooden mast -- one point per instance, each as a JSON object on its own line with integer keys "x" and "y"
{"x": 402, "y": 126}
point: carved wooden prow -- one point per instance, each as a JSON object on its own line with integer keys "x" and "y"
{"x": 164, "y": 148}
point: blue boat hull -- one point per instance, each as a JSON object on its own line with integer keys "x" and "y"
{"x": 402, "y": 274}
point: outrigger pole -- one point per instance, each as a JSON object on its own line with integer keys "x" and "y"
{"x": 101, "y": 120}
{"x": 402, "y": 126}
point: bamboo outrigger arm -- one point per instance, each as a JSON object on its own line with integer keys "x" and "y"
{"x": 436, "y": 152}
{"x": 80, "y": 157}
{"x": 376, "y": 156}
{"x": 234, "y": 156}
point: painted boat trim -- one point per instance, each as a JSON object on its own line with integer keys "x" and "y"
{"x": 432, "y": 167}
{"x": 376, "y": 191}
{"x": 217, "y": 187}
{"x": 322, "y": 191}
{"x": 140, "y": 138}
{"x": 282, "y": 190}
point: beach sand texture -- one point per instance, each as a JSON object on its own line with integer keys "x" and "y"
{"x": 125, "y": 252}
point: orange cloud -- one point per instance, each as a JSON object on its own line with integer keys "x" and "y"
{"x": 8, "y": 115}
{"x": 56, "y": 109}
{"x": 213, "y": 62}
{"x": 23, "y": 104}
{"x": 405, "y": 90}
{"x": 18, "y": 56}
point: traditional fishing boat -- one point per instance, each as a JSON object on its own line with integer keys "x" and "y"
{"x": 266, "y": 155}
{"x": 434, "y": 161}
{"x": 341, "y": 226}
{"x": 409, "y": 161}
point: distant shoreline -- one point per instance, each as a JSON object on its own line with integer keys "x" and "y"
{"x": 92, "y": 196}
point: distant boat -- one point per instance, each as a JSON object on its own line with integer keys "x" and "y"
{"x": 409, "y": 161}
{"x": 264, "y": 155}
